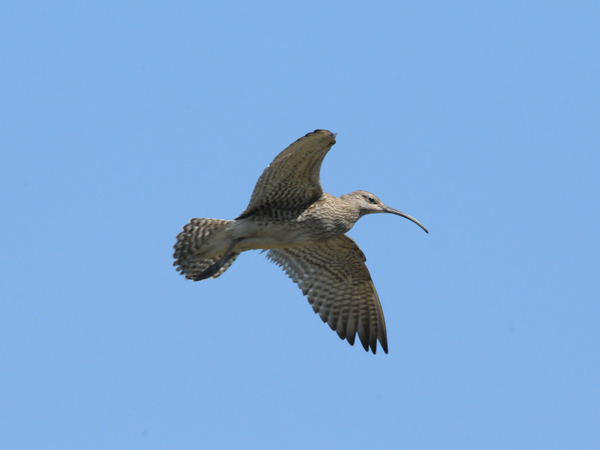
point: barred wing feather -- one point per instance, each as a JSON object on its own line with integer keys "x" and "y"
{"x": 292, "y": 181}
{"x": 334, "y": 277}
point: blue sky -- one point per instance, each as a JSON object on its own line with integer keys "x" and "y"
{"x": 123, "y": 120}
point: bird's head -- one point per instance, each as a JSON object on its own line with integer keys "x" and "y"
{"x": 370, "y": 204}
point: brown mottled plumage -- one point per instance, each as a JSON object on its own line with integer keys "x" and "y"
{"x": 303, "y": 228}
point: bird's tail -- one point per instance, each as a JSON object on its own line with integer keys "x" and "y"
{"x": 195, "y": 241}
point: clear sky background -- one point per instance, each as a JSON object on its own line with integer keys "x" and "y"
{"x": 120, "y": 121}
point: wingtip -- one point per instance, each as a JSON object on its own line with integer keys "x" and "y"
{"x": 326, "y": 133}
{"x": 374, "y": 348}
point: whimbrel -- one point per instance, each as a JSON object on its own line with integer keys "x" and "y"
{"x": 304, "y": 230}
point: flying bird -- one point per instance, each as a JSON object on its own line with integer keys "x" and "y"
{"x": 304, "y": 231}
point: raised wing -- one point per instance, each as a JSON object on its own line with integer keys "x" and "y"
{"x": 292, "y": 182}
{"x": 334, "y": 276}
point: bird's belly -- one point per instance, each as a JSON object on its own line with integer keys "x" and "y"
{"x": 255, "y": 236}
{"x": 275, "y": 237}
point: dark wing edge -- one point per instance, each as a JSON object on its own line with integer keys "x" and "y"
{"x": 334, "y": 277}
{"x": 292, "y": 180}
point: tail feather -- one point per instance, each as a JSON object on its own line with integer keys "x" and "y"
{"x": 190, "y": 246}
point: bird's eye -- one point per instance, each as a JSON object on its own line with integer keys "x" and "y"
{"x": 372, "y": 200}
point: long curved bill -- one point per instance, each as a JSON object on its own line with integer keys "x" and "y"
{"x": 406, "y": 216}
